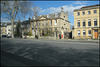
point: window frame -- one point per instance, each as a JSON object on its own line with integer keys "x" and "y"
{"x": 78, "y": 13}
{"x": 83, "y": 32}
{"x": 96, "y": 22}
{"x": 83, "y": 13}
{"x": 84, "y": 22}
{"x": 55, "y": 22}
{"x": 51, "y": 22}
{"x": 42, "y": 23}
{"x": 78, "y": 33}
{"x": 89, "y": 21}
{"x": 78, "y": 23}
{"x": 88, "y": 33}
{"x": 88, "y": 12}
{"x": 94, "y": 11}
{"x": 46, "y": 23}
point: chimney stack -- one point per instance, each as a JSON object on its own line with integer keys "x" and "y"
{"x": 61, "y": 9}
{"x": 29, "y": 18}
{"x": 35, "y": 14}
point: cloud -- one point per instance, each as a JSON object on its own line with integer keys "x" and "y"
{"x": 4, "y": 20}
{"x": 70, "y": 8}
{"x": 79, "y": 2}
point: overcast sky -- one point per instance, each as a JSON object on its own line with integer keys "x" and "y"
{"x": 49, "y": 7}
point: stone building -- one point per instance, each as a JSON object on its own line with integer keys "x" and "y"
{"x": 87, "y": 22}
{"x": 25, "y": 27}
{"x": 3, "y": 28}
{"x": 51, "y": 25}
{"x": 6, "y": 28}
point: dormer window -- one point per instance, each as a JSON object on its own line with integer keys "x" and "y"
{"x": 55, "y": 22}
{"x": 34, "y": 17}
{"x": 48, "y": 16}
{"x": 40, "y": 15}
{"x": 5, "y": 24}
{"x": 56, "y": 15}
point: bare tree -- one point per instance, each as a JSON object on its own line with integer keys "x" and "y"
{"x": 14, "y": 10}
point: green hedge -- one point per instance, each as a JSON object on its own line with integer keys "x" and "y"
{"x": 29, "y": 34}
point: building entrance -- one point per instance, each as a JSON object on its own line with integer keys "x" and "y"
{"x": 96, "y": 34}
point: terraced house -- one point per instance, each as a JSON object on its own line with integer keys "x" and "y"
{"x": 87, "y": 22}
{"x": 51, "y": 25}
{"x": 6, "y": 28}
{"x": 3, "y": 29}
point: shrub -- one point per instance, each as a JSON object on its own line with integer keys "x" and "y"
{"x": 29, "y": 34}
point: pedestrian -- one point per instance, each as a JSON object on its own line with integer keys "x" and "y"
{"x": 25, "y": 37}
{"x": 37, "y": 36}
{"x": 59, "y": 36}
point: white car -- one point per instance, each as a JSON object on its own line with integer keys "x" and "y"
{"x": 8, "y": 35}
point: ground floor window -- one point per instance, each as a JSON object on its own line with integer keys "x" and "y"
{"x": 78, "y": 33}
{"x": 42, "y": 32}
{"x": 89, "y": 32}
{"x": 84, "y": 32}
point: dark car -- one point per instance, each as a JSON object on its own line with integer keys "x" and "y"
{"x": 8, "y": 36}
{"x": 4, "y": 36}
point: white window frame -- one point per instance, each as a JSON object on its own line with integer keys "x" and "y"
{"x": 78, "y": 22}
{"x": 51, "y": 22}
{"x": 85, "y": 32}
{"x": 84, "y": 13}
{"x": 88, "y": 33}
{"x": 34, "y": 17}
{"x": 55, "y": 22}
{"x": 85, "y": 23}
{"x": 89, "y": 20}
{"x": 96, "y": 11}
{"x": 77, "y": 13}
{"x": 88, "y": 12}
{"x": 94, "y": 21}
{"x": 56, "y": 14}
{"x": 78, "y": 32}
{"x": 48, "y": 16}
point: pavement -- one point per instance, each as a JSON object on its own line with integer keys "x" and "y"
{"x": 33, "y": 52}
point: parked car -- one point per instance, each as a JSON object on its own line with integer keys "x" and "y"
{"x": 9, "y": 36}
{"x": 4, "y": 36}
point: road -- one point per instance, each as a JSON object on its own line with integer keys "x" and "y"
{"x": 31, "y": 52}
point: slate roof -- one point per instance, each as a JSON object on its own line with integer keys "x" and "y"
{"x": 3, "y": 25}
{"x": 25, "y": 22}
{"x": 51, "y": 16}
{"x": 14, "y": 23}
{"x": 88, "y": 7}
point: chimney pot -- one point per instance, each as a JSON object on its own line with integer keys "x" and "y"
{"x": 61, "y": 9}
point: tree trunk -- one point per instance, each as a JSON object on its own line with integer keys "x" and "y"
{"x": 12, "y": 31}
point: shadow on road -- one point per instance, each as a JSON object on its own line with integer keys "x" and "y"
{"x": 41, "y": 54}
{"x": 52, "y": 57}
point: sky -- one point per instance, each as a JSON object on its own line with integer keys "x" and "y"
{"x": 49, "y": 7}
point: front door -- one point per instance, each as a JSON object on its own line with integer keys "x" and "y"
{"x": 95, "y": 33}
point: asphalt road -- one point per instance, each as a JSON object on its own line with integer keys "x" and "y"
{"x": 29, "y": 52}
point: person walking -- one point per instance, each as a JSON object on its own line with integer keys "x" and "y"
{"x": 37, "y": 36}
{"x": 59, "y": 36}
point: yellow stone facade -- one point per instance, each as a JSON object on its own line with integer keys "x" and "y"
{"x": 87, "y": 14}
{"x": 55, "y": 24}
